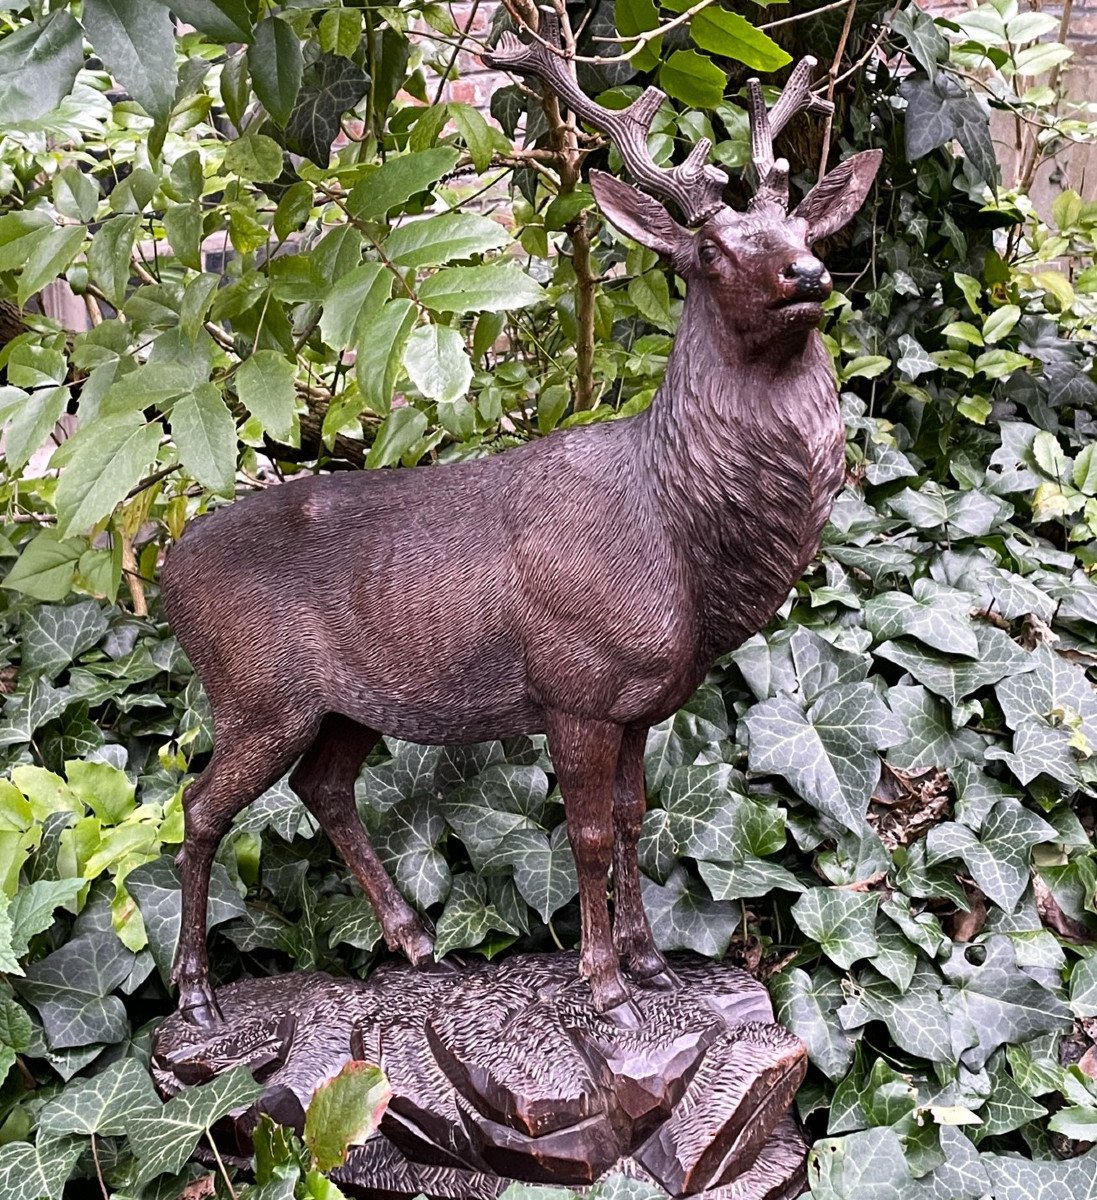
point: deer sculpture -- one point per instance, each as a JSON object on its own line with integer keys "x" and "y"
{"x": 581, "y": 585}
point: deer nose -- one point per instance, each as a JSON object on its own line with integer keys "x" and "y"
{"x": 810, "y": 279}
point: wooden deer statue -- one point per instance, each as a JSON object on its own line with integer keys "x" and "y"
{"x": 581, "y": 585}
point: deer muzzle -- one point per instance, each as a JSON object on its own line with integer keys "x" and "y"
{"x": 805, "y": 279}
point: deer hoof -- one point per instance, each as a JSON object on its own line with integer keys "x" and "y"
{"x": 624, "y": 1015}
{"x": 198, "y": 1005}
{"x": 663, "y": 980}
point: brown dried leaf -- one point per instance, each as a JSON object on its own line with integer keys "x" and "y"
{"x": 906, "y": 806}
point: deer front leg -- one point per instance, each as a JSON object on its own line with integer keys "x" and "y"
{"x": 584, "y": 755}
{"x": 632, "y": 934}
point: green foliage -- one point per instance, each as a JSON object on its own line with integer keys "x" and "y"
{"x": 881, "y": 804}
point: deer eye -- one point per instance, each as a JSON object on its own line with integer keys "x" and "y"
{"x": 708, "y": 252}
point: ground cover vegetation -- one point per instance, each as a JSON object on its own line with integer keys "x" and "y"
{"x": 297, "y": 255}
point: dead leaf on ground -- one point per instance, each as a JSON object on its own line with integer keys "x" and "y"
{"x": 904, "y": 806}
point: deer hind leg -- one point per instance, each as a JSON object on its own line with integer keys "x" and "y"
{"x": 584, "y": 755}
{"x": 245, "y": 762}
{"x": 632, "y": 934}
{"x": 324, "y": 779}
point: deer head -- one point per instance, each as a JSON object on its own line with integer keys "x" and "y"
{"x": 756, "y": 268}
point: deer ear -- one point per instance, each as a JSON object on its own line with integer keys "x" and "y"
{"x": 836, "y": 198}
{"x": 640, "y": 217}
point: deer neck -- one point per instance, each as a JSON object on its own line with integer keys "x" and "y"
{"x": 744, "y": 449}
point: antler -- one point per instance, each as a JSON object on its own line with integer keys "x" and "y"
{"x": 695, "y": 186}
{"x": 772, "y": 174}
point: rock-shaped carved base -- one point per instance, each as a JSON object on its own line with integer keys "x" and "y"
{"x": 505, "y": 1071}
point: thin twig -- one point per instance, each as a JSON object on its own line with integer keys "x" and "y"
{"x": 640, "y": 40}
{"x": 465, "y": 34}
{"x": 811, "y": 12}
{"x": 221, "y": 1164}
{"x": 832, "y": 76}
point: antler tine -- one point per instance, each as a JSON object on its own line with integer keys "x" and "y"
{"x": 771, "y": 174}
{"x": 695, "y": 186}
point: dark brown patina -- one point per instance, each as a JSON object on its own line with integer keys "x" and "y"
{"x": 581, "y": 585}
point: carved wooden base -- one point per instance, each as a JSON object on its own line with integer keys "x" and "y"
{"x": 504, "y": 1071}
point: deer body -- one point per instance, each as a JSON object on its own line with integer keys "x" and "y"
{"x": 581, "y": 585}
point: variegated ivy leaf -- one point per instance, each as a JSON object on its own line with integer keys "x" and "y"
{"x": 163, "y": 1139}
{"x": 657, "y": 850}
{"x": 998, "y": 856}
{"x": 1015, "y": 1178}
{"x": 407, "y": 838}
{"x": 917, "y": 1018}
{"x": 73, "y": 990}
{"x": 931, "y": 738}
{"x": 40, "y": 1170}
{"x": 820, "y": 664}
{"x": 543, "y": 866}
{"x": 808, "y": 1005}
{"x": 937, "y": 616}
{"x": 750, "y": 877}
{"x": 103, "y": 1104}
{"x": 54, "y": 634}
{"x": 352, "y": 919}
{"x": 955, "y": 677}
{"x": 501, "y": 800}
{"x": 156, "y": 888}
{"x": 468, "y": 916}
{"x": 1008, "y": 1107}
{"x": 895, "y": 957}
{"x": 683, "y": 918}
{"x": 280, "y": 809}
{"x": 1052, "y": 711}
{"x": 828, "y": 753}
{"x": 1000, "y": 1001}
{"x": 711, "y": 818}
{"x": 842, "y": 922}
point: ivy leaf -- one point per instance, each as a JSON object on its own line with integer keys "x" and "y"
{"x": 156, "y": 889}
{"x": 941, "y": 109}
{"x": 999, "y": 1000}
{"x": 136, "y": 42}
{"x": 808, "y": 1005}
{"x": 468, "y": 916}
{"x": 503, "y": 798}
{"x": 711, "y": 819}
{"x": 38, "y": 66}
{"x": 938, "y": 616}
{"x": 828, "y": 753}
{"x": 40, "y": 1170}
{"x": 330, "y": 86}
{"x": 544, "y": 868}
{"x": 494, "y": 288}
{"x": 932, "y": 740}
{"x": 682, "y": 918}
{"x": 842, "y": 922}
{"x": 165, "y": 1139}
{"x": 103, "y": 1104}
{"x": 33, "y": 906}
{"x": 344, "y": 1111}
{"x": 205, "y": 436}
{"x": 953, "y": 678}
{"x": 1053, "y": 714}
{"x": 406, "y": 837}
{"x": 998, "y": 857}
{"x": 276, "y": 64}
{"x": 72, "y": 990}
{"x": 53, "y": 635}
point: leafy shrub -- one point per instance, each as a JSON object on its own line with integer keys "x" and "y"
{"x": 881, "y": 805}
